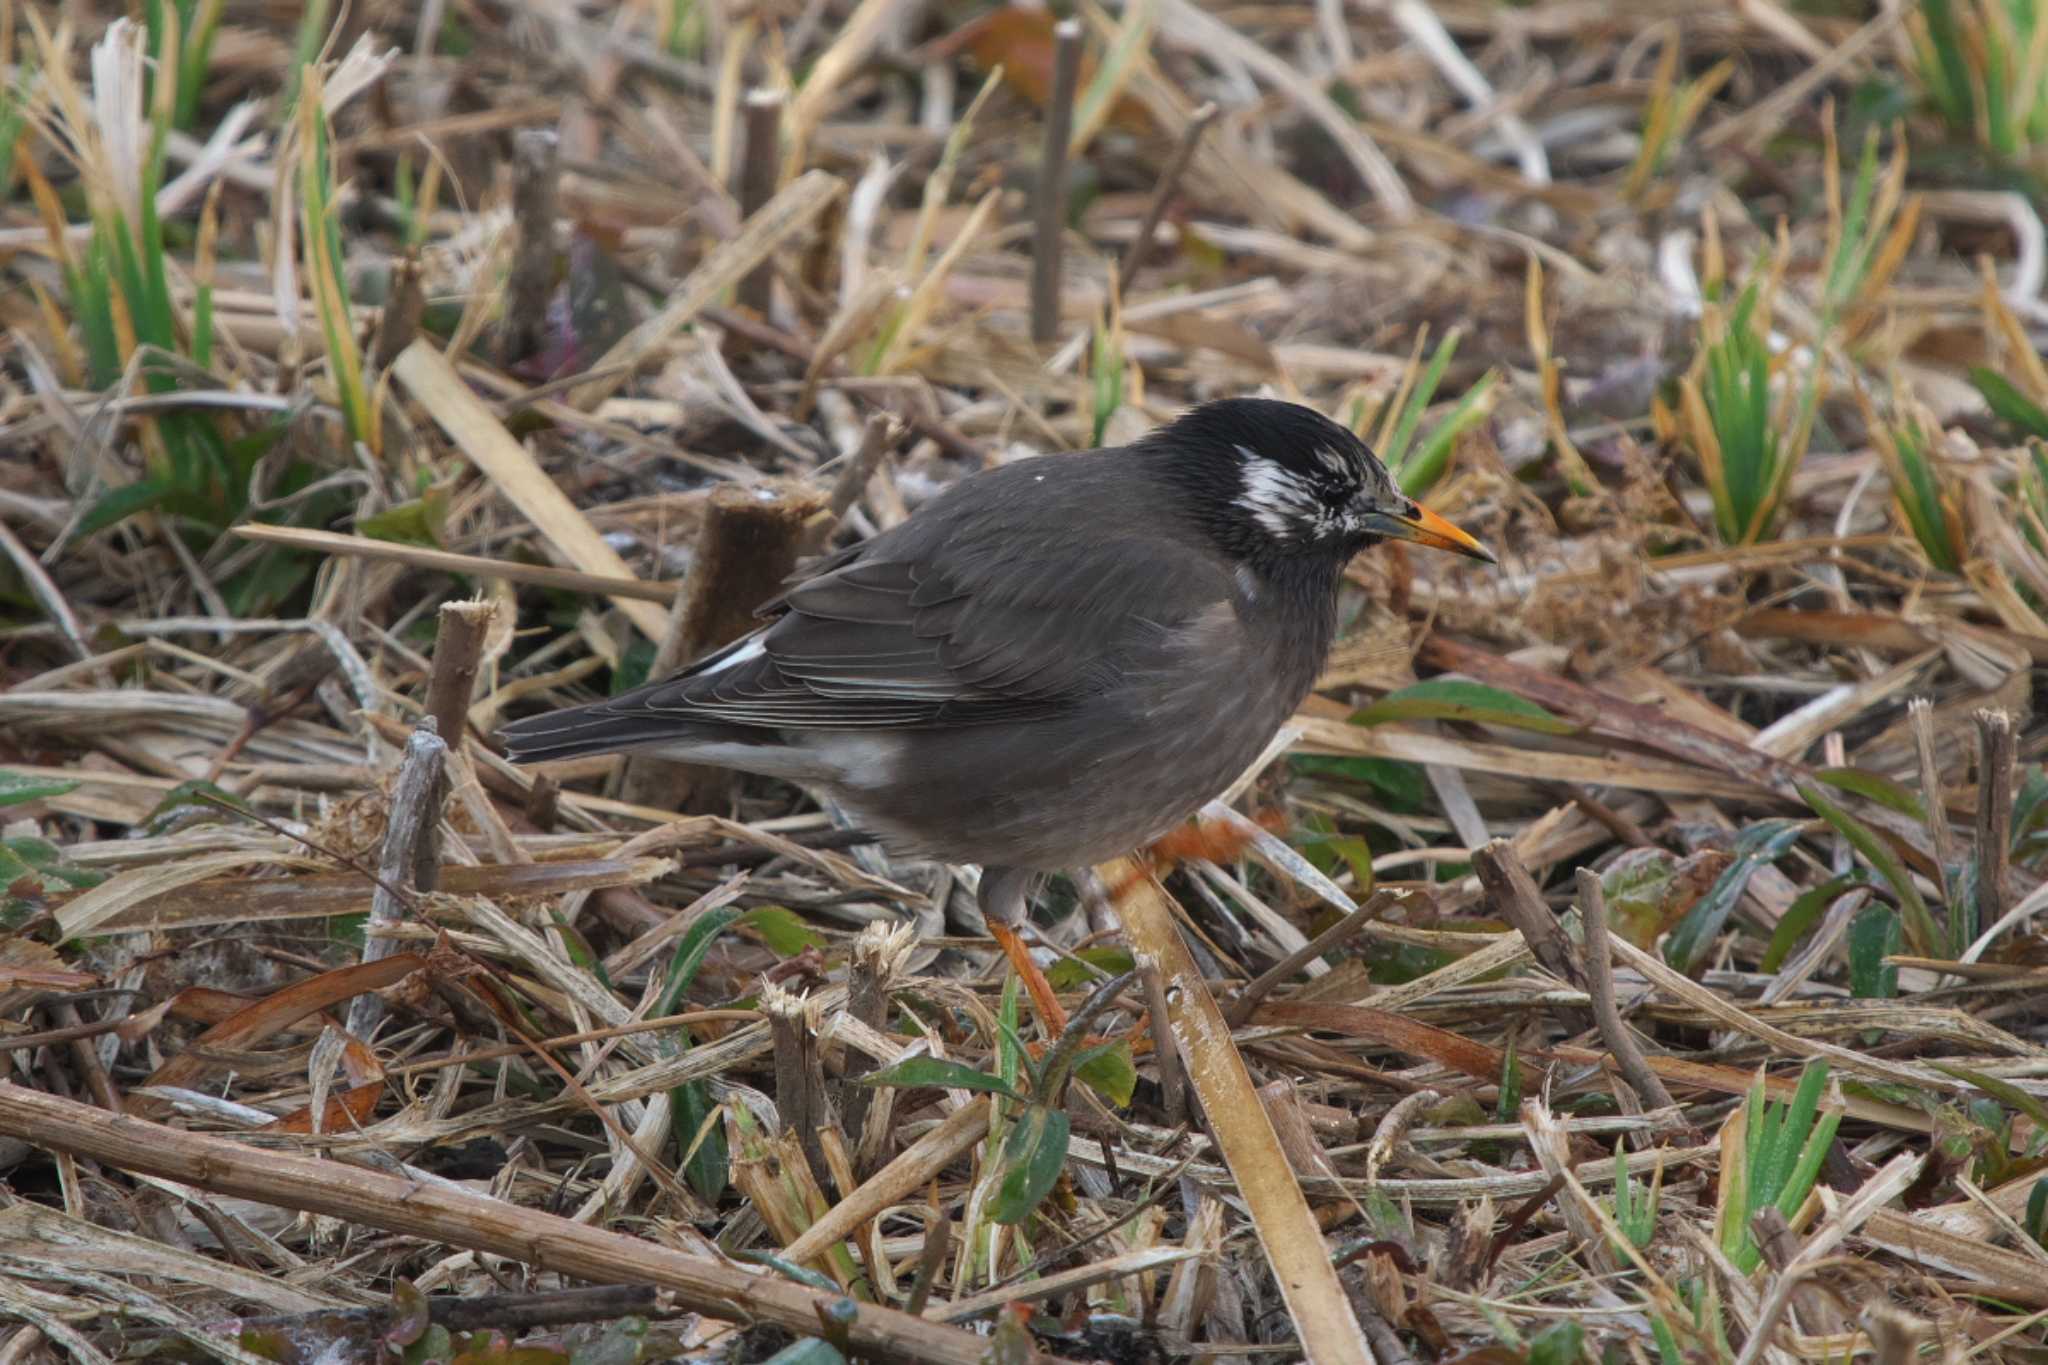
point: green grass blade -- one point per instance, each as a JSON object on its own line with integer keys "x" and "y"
{"x": 1920, "y": 930}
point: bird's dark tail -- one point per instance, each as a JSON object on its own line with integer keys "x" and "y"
{"x": 598, "y": 728}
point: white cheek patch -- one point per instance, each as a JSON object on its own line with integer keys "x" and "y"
{"x": 1334, "y": 460}
{"x": 1277, "y": 499}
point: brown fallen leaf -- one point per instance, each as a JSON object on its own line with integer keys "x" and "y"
{"x": 275, "y": 1013}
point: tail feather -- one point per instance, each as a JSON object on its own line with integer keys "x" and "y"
{"x": 593, "y": 729}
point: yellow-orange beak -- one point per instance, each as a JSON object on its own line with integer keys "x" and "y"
{"x": 1425, "y": 527}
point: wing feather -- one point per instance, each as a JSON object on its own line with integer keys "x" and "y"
{"x": 961, "y": 616}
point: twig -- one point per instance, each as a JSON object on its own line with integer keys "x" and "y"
{"x": 443, "y": 1213}
{"x": 763, "y": 334}
{"x": 1162, "y": 194}
{"x": 411, "y": 857}
{"x": 544, "y": 802}
{"x": 447, "y": 561}
{"x": 1994, "y": 812}
{"x": 536, "y": 175}
{"x": 1516, "y": 899}
{"x": 1921, "y": 715}
{"x": 1616, "y": 823}
{"x": 458, "y": 649}
{"x": 759, "y": 170}
{"x": 1172, "y": 1090}
{"x": 88, "y": 1058}
{"x": 502, "y": 1312}
{"x": 1331, "y": 939}
{"x": 1600, "y": 985}
{"x": 1386, "y": 1342}
{"x": 1050, "y": 230}
{"x": 938, "y": 1245}
{"x": 877, "y": 438}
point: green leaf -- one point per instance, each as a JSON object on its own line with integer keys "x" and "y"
{"x": 1069, "y": 975}
{"x": 706, "y": 1164}
{"x": 689, "y": 956}
{"x": 418, "y": 522}
{"x": 1108, "y": 1068}
{"x": 1873, "y": 936}
{"x": 2036, "y": 1222}
{"x": 1458, "y": 699}
{"x": 1920, "y": 930}
{"x": 1561, "y": 1343}
{"x": 2009, "y": 403}
{"x": 1800, "y": 917}
{"x": 706, "y": 1168}
{"x": 1402, "y": 784}
{"x": 46, "y": 860}
{"x": 1871, "y": 787}
{"x": 634, "y": 666}
{"x": 1649, "y": 890}
{"x": 788, "y": 1269}
{"x": 19, "y": 788}
{"x": 121, "y": 503}
{"x": 1510, "y": 1101}
{"x": 937, "y": 1071}
{"x": 1755, "y": 846}
{"x": 2005, "y": 1092}
{"x": 1011, "y": 1055}
{"x": 1396, "y": 453}
{"x": 189, "y": 802}
{"x": 1033, "y": 1156}
{"x": 580, "y": 952}
{"x": 782, "y": 929}
{"x": 1426, "y": 465}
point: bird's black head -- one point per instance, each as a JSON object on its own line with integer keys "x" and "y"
{"x": 1277, "y": 481}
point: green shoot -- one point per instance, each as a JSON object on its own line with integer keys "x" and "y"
{"x": 321, "y": 244}
{"x": 1771, "y": 1156}
{"x": 1748, "y": 446}
{"x": 1926, "y": 496}
{"x": 312, "y": 40}
{"x": 1107, "y": 368}
{"x": 1673, "y": 107}
{"x": 181, "y": 34}
{"x": 1635, "y": 1208}
{"x": 119, "y": 286}
{"x": 1418, "y": 465}
{"x": 1983, "y": 65}
{"x": 1746, "y": 460}
{"x": 1871, "y": 847}
{"x": 681, "y": 24}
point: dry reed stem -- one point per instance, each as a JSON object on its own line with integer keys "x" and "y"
{"x": 461, "y": 1219}
{"x": 1293, "y": 1243}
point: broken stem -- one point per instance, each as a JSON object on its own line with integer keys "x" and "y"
{"x": 1052, "y": 184}
{"x": 1635, "y": 1069}
{"x": 1162, "y": 194}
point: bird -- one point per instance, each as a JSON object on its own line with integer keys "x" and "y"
{"x": 1052, "y": 663}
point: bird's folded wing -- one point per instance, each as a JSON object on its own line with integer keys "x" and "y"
{"x": 958, "y": 637}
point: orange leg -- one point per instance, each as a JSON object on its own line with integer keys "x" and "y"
{"x": 1035, "y": 985}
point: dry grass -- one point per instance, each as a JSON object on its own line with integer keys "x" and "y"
{"x": 1722, "y": 324}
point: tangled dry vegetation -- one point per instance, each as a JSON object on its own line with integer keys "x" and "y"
{"x": 1632, "y": 952}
